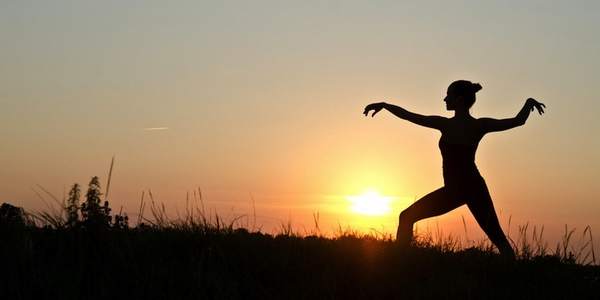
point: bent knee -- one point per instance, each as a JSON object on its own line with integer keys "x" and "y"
{"x": 406, "y": 216}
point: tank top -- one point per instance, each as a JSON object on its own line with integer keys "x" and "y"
{"x": 458, "y": 162}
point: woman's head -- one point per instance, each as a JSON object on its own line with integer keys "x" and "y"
{"x": 461, "y": 94}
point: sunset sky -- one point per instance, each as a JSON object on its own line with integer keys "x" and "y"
{"x": 261, "y": 102}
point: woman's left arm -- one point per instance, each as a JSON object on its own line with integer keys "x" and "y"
{"x": 492, "y": 125}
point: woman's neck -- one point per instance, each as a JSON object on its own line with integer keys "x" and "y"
{"x": 462, "y": 114}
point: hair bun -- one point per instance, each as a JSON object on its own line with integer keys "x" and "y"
{"x": 476, "y": 87}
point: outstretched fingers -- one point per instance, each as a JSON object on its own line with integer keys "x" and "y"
{"x": 534, "y": 104}
{"x": 540, "y": 107}
{"x": 368, "y": 108}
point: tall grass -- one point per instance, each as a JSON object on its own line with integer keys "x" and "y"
{"x": 529, "y": 242}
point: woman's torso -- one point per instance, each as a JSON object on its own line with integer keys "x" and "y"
{"x": 458, "y": 145}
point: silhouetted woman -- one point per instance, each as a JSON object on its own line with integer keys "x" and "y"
{"x": 462, "y": 182}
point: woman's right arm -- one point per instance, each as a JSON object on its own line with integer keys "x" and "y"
{"x": 436, "y": 122}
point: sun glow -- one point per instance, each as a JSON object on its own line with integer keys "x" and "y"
{"x": 370, "y": 203}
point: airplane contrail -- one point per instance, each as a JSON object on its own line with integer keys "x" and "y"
{"x": 155, "y": 128}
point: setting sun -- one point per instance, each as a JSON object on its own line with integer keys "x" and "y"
{"x": 370, "y": 203}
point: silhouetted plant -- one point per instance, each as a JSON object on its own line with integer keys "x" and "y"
{"x": 93, "y": 214}
{"x": 121, "y": 221}
{"x": 12, "y": 216}
{"x": 73, "y": 205}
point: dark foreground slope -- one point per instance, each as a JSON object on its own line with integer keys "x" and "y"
{"x": 183, "y": 263}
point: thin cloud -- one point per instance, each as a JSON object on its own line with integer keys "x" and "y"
{"x": 155, "y": 128}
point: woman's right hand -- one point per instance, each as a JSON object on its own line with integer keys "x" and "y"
{"x": 532, "y": 103}
{"x": 375, "y": 107}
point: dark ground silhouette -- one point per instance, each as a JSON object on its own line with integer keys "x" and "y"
{"x": 189, "y": 262}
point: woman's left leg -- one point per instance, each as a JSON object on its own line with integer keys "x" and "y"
{"x": 480, "y": 204}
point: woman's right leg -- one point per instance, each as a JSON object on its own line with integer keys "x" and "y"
{"x": 433, "y": 204}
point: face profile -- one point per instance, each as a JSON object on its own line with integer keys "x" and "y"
{"x": 452, "y": 101}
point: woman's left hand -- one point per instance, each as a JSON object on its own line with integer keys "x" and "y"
{"x": 537, "y": 105}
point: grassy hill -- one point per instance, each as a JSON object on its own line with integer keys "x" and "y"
{"x": 198, "y": 260}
